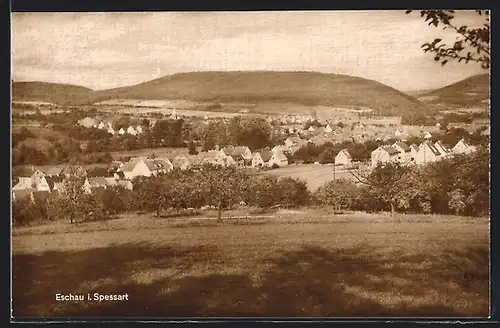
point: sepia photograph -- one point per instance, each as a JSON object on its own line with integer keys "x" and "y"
{"x": 250, "y": 164}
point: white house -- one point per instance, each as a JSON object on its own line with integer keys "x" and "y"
{"x": 111, "y": 130}
{"x": 384, "y": 154}
{"x": 343, "y": 158}
{"x": 427, "y": 152}
{"x": 413, "y": 151}
{"x": 278, "y": 158}
{"x": 181, "y": 162}
{"x": 442, "y": 149}
{"x": 138, "y": 129}
{"x": 240, "y": 150}
{"x": 328, "y": 128}
{"x": 135, "y": 167}
{"x": 131, "y": 130}
{"x": 404, "y": 151}
{"x": 462, "y": 147}
{"x": 216, "y": 157}
{"x": 427, "y": 135}
{"x": 121, "y": 131}
{"x": 261, "y": 159}
{"x": 311, "y": 129}
{"x": 101, "y": 126}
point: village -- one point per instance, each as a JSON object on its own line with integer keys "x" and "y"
{"x": 122, "y": 174}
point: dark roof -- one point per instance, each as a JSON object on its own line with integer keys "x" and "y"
{"x": 266, "y": 155}
{"x": 238, "y": 157}
{"x": 239, "y": 150}
{"x": 98, "y": 182}
{"x": 433, "y": 148}
{"x": 403, "y": 146}
{"x": 390, "y": 150}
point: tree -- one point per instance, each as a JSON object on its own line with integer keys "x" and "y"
{"x": 76, "y": 202}
{"x": 222, "y": 186}
{"x": 340, "y": 194}
{"x": 472, "y": 44}
{"x": 384, "y": 181}
{"x": 151, "y": 193}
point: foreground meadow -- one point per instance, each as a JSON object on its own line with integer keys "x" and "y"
{"x": 286, "y": 263}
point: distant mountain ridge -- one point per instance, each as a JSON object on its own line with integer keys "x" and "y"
{"x": 308, "y": 88}
{"x": 471, "y": 91}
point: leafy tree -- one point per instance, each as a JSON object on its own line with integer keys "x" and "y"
{"x": 222, "y": 186}
{"x": 384, "y": 181}
{"x": 340, "y": 193}
{"x": 472, "y": 44}
{"x": 151, "y": 193}
{"x": 76, "y": 202}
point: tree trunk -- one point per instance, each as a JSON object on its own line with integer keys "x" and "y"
{"x": 158, "y": 212}
{"x": 392, "y": 210}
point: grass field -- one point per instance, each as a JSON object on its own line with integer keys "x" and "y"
{"x": 285, "y": 263}
{"x": 315, "y": 175}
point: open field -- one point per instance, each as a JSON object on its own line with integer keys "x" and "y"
{"x": 315, "y": 175}
{"x": 285, "y": 263}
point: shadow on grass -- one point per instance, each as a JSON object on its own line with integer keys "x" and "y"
{"x": 172, "y": 282}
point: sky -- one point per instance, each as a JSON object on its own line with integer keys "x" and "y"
{"x": 108, "y": 50}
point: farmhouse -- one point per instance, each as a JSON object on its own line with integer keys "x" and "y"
{"x": 343, "y": 158}
{"x": 427, "y": 153}
{"x": 384, "y": 154}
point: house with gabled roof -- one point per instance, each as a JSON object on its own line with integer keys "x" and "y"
{"x": 131, "y": 130}
{"x": 159, "y": 165}
{"x": 384, "y": 154}
{"x": 135, "y": 167}
{"x": 278, "y": 158}
{"x": 101, "y": 126}
{"x": 121, "y": 131}
{"x": 343, "y": 158}
{"x": 98, "y": 182}
{"x": 404, "y": 151}
{"x": 139, "y": 129}
{"x": 111, "y": 130}
{"x": 462, "y": 147}
{"x": 261, "y": 159}
{"x": 215, "y": 157}
{"x": 442, "y": 149}
{"x": 328, "y": 128}
{"x": 427, "y": 153}
{"x": 295, "y": 143}
{"x": 238, "y": 150}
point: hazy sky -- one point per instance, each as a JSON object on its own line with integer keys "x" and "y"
{"x": 106, "y": 50}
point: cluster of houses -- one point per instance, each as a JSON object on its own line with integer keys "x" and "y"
{"x": 424, "y": 153}
{"x": 89, "y": 122}
{"x": 52, "y": 181}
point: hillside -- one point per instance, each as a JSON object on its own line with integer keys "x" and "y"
{"x": 49, "y": 92}
{"x": 307, "y": 88}
{"x": 472, "y": 91}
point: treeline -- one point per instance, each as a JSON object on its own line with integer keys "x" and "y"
{"x": 458, "y": 185}
{"x": 207, "y": 186}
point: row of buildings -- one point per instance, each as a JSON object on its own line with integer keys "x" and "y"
{"x": 424, "y": 153}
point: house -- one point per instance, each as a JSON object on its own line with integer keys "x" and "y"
{"x": 261, "y": 159}
{"x": 282, "y": 148}
{"x": 427, "y": 152}
{"x": 404, "y": 151}
{"x": 427, "y": 135}
{"x": 115, "y": 166}
{"x": 229, "y": 161}
{"x": 159, "y": 165}
{"x": 384, "y": 154}
{"x": 181, "y": 162}
{"x": 328, "y": 129}
{"x": 54, "y": 171}
{"x": 111, "y": 182}
{"x": 343, "y": 158}
{"x": 413, "y": 151}
{"x": 135, "y": 167}
{"x": 121, "y": 131}
{"x": 278, "y": 158}
{"x": 462, "y": 147}
{"x": 41, "y": 184}
{"x": 111, "y": 130}
{"x": 131, "y": 130}
{"x": 139, "y": 129}
{"x": 442, "y": 149}
{"x": 87, "y": 188}
{"x": 101, "y": 126}
{"x": 215, "y": 157}
{"x": 240, "y": 160}
{"x": 398, "y": 133}
{"x": 240, "y": 150}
